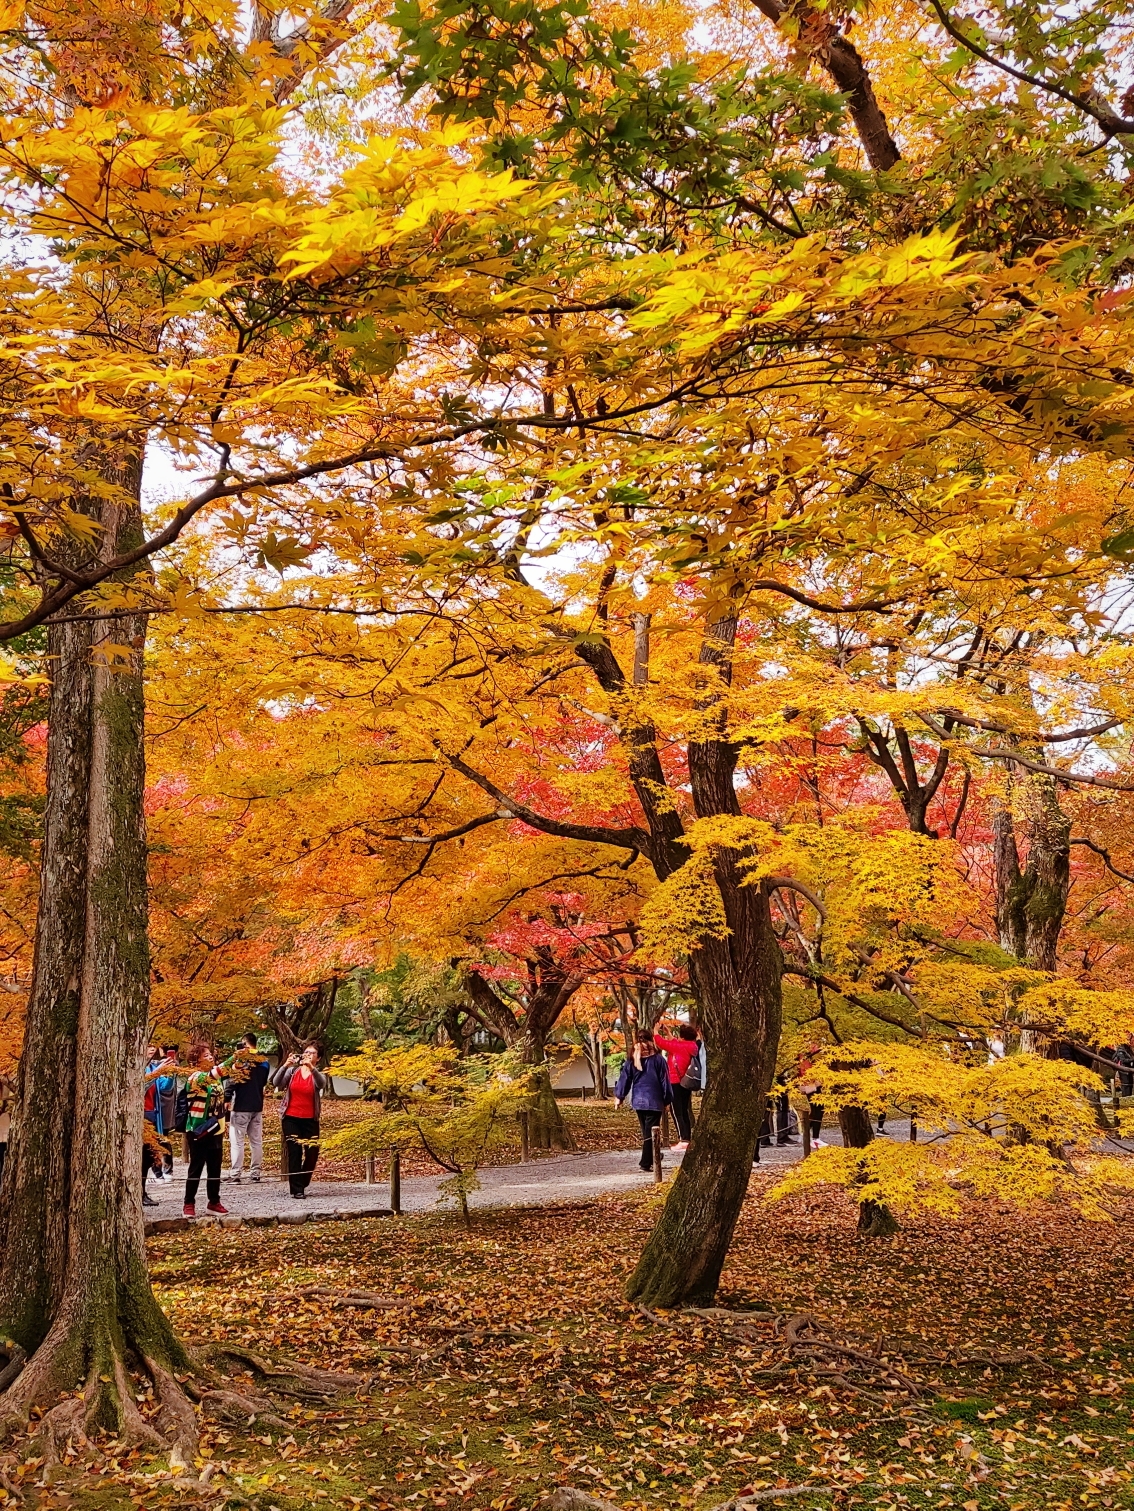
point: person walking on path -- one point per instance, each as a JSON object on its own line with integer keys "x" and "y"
{"x": 810, "y": 1087}
{"x": 645, "y": 1079}
{"x": 683, "y": 1056}
{"x": 167, "y": 1108}
{"x": 153, "y": 1152}
{"x": 246, "y": 1119}
{"x": 302, "y": 1084}
{"x": 204, "y": 1126}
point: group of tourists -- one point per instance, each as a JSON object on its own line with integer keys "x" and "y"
{"x": 203, "y": 1099}
{"x": 662, "y": 1073}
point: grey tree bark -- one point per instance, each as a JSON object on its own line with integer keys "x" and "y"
{"x": 75, "y": 1294}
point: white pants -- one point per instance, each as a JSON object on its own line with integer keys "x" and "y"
{"x": 240, "y": 1125}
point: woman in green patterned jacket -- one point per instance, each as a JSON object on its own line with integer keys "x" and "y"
{"x": 204, "y": 1126}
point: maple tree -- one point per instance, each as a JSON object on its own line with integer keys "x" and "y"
{"x": 669, "y": 381}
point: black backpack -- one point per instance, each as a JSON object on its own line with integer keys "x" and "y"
{"x": 181, "y": 1110}
{"x": 691, "y": 1080}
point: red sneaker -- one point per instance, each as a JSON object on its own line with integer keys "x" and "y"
{"x": 188, "y": 1211}
{"x": 215, "y": 1206}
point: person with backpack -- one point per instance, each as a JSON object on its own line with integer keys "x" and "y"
{"x": 645, "y": 1079}
{"x": 204, "y": 1125}
{"x": 683, "y": 1056}
{"x": 152, "y": 1152}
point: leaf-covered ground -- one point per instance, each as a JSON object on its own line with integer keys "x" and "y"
{"x": 516, "y": 1365}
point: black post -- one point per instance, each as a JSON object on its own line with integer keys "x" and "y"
{"x": 657, "y": 1155}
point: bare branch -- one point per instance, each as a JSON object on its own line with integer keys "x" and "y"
{"x": 1085, "y": 100}
{"x": 595, "y": 834}
{"x": 820, "y": 37}
{"x": 1104, "y": 856}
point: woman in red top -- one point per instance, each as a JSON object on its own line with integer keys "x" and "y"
{"x": 680, "y": 1053}
{"x": 301, "y": 1084}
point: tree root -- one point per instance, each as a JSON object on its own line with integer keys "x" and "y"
{"x": 176, "y": 1420}
{"x": 244, "y": 1410}
{"x": 567, "y": 1498}
{"x": 14, "y": 1367}
{"x": 361, "y": 1300}
{"x": 298, "y": 1380}
{"x": 814, "y": 1349}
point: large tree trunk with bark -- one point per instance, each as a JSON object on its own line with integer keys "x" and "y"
{"x": 74, "y": 1288}
{"x": 550, "y": 990}
{"x": 306, "y": 1020}
{"x": 1031, "y": 901}
{"x": 547, "y": 1125}
{"x": 875, "y": 1220}
{"x": 736, "y": 982}
{"x": 738, "y": 1004}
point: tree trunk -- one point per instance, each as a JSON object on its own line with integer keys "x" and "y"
{"x": 875, "y": 1220}
{"x": 305, "y": 1021}
{"x": 74, "y": 1288}
{"x": 1048, "y": 872}
{"x": 549, "y": 1129}
{"x": 737, "y": 991}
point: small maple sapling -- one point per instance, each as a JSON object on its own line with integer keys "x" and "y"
{"x": 454, "y": 1107}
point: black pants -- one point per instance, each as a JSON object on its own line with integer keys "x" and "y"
{"x": 683, "y": 1112}
{"x": 816, "y": 1114}
{"x": 205, "y": 1154}
{"x": 783, "y": 1118}
{"x": 301, "y": 1158}
{"x": 648, "y": 1121}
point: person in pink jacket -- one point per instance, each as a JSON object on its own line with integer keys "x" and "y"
{"x": 683, "y": 1057}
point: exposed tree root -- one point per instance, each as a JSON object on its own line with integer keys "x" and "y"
{"x": 567, "y": 1498}
{"x": 14, "y": 1367}
{"x": 814, "y": 1349}
{"x": 176, "y": 1420}
{"x": 360, "y": 1300}
{"x": 231, "y": 1406}
{"x": 290, "y": 1379}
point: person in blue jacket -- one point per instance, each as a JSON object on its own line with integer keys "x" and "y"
{"x": 645, "y": 1079}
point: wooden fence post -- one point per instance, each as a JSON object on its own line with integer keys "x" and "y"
{"x": 913, "y": 1125}
{"x": 665, "y": 1128}
{"x": 805, "y": 1130}
{"x": 396, "y": 1182}
{"x": 369, "y": 1177}
{"x": 657, "y": 1155}
{"x": 525, "y": 1137}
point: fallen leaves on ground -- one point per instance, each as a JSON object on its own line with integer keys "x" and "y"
{"x": 507, "y": 1363}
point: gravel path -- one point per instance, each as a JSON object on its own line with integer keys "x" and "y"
{"x": 570, "y": 1177}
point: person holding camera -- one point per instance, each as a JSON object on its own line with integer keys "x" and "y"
{"x": 204, "y": 1128}
{"x": 302, "y": 1083}
{"x": 683, "y": 1055}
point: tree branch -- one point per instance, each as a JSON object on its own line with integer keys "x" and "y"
{"x": 822, "y": 39}
{"x": 1105, "y": 857}
{"x": 817, "y": 979}
{"x": 594, "y": 834}
{"x": 1085, "y": 100}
